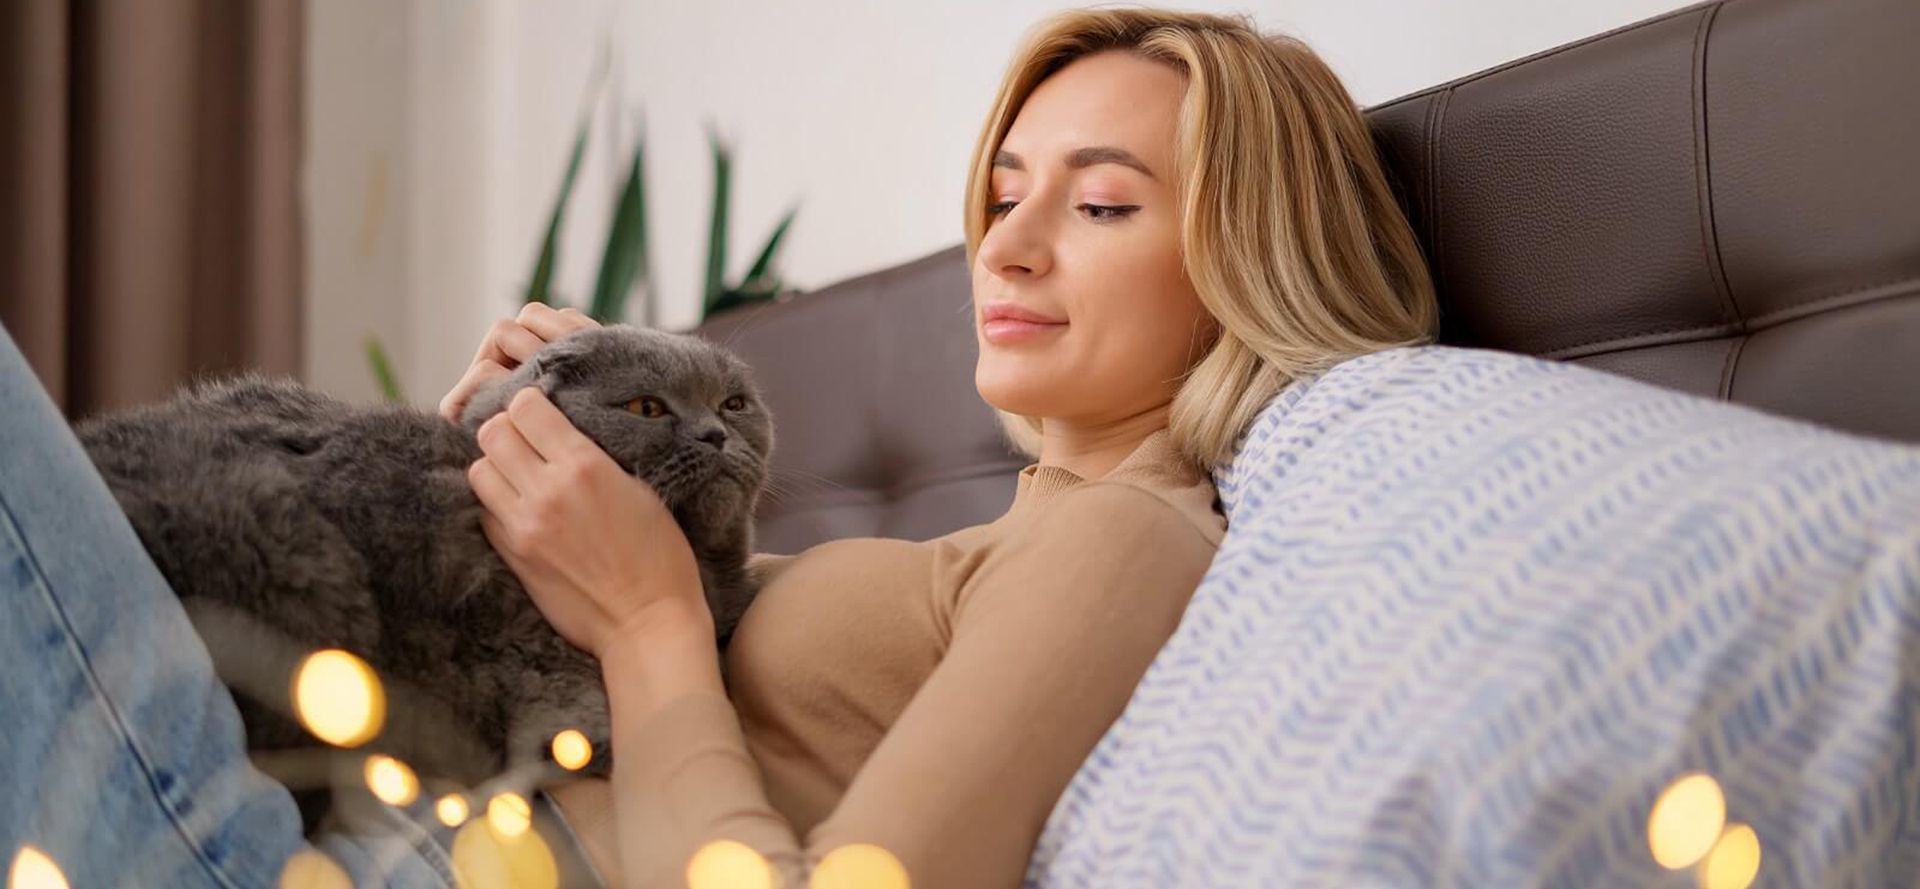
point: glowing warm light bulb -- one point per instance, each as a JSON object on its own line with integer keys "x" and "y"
{"x": 391, "y": 780}
{"x": 483, "y": 859}
{"x": 509, "y": 814}
{"x": 33, "y": 869}
{"x": 728, "y": 864}
{"x": 1734, "y": 861}
{"x": 1686, "y": 820}
{"x": 859, "y": 866}
{"x": 572, "y": 750}
{"x": 311, "y": 869}
{"x": 452, "y": 810}
{"x": 338, "y": 698}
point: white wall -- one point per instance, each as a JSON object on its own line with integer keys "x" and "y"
{"x": 860, "y": 111}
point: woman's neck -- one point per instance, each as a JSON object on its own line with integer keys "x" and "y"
{"x": 1091, "y": 450}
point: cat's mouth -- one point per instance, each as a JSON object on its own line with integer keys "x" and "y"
{"x": 684, "y": 475}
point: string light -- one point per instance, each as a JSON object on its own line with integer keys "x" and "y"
{"x": 33, "y": 869}
{"x": 728, "y": 864}
{"x": 859, "y": 866}
{"x": 338, "y": 698}
{"x": 310, "y": 868}
{"x": 1686, "y": 820}
{"x": 1734, "y": 861}
{"x": 572, "y": 750}
{"x": 484, "y": 859}
{"x": 452, "y": 810}
{"x": 509, "y": 814}
{"x": 391, "y": 780}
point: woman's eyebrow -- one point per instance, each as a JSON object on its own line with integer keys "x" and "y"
{"x": 1080, "y": 158}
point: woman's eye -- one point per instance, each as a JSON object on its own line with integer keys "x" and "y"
{"x": 1101, "y": 211}
{"x": 647, "y": 406}
{"x": 736, "y": 403}
{"x": 1000, "y": 208}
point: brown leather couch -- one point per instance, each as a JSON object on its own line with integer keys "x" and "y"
{"x": 1724, "y": 199}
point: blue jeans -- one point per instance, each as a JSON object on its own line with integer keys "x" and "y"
{"x": 123, "y": 758}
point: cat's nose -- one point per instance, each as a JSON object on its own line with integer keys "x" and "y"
{"x": 715, "y": 437}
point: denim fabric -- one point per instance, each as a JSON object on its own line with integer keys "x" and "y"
{"x": 123, "y": 756}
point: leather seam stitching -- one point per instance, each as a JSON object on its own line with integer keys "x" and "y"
{"x": 1795, "y": 309}
{"x": 1545, "y": 54}
{"x": 1728, "y": 367}
{"x": 1752, "y": 326}
{"x": 1703, "y": 172}
{"x": 1435, "y": 136}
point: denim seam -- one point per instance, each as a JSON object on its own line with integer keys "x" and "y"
{"x": 140, "y": 758}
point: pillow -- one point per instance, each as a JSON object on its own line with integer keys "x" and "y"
{"x": 1475, "y": 611}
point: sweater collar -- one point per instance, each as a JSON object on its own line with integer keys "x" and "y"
{"x": 1153, "y": 459}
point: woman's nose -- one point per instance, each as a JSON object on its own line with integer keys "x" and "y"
{"x": 1016, "y": 246}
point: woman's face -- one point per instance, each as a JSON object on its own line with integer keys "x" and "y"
{"x": 1081, "y": 305}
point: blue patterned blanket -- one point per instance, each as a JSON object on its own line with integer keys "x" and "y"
{"x": 1474, "y": 611}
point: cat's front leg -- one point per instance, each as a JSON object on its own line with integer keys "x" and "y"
{"x": 561, "y": 691}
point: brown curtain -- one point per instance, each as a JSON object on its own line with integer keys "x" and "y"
{"x": 149, "y": 208}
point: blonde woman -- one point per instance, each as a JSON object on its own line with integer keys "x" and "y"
{"x": 1169, "y": 215}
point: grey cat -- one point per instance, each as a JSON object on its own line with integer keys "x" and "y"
{"x": 299, "y": 522}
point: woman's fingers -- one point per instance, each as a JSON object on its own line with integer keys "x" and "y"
{"x": 482, "y": 372}
{"x": 509, "y": 343}
{"x": 495, "y": 492}
{"x": 549, "y": 323}
{"x": 543, "y": 427}
{"x": 507, "y": 449}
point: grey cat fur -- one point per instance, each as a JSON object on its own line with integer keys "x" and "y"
{"x": 324, "y": 524}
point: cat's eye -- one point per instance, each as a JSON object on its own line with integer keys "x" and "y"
{"x": 736, "y": 403}
{"x": 647, "y": 406}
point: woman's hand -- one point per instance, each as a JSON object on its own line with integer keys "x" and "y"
{"x": 509, "y": 342}
{"x": 599, "y": 553}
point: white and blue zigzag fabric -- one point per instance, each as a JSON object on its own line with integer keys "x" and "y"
{"x": 1474, "y": 611}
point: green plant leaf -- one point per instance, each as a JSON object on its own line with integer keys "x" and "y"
{"x": 539, "y": 286}
{"x": 717, "y": 222}
{"x": 383, "y": 371}
{"x": 626, "y": 253}
{"x": 763, "y": 264}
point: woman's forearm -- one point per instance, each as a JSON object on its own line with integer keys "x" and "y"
{"x": 660, "y": 662}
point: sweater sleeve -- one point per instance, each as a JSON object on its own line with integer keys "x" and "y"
{"x": 1052, "y": 631}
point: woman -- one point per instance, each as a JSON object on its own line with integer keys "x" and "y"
{"x": 1168, "y": 217}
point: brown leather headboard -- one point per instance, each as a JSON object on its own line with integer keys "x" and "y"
{"x": 1723, "y": 199}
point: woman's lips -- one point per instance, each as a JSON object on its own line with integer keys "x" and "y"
{"x": 1007, "y": 331}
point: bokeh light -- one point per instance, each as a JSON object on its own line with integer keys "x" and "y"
{"x": 509, "y": 814}
{"x": 1734, "y": 861}
{"x": 391, "y": 780}
{"x": 859, "y": 866}
{"x": 572, "y": 750}
{"x": 310, "y": 868}
{"x": 728, "y": 864}
{"x": 338, "y": 698}
{"x": 452, "y": 810}
{"x": 1687, "y": 819}
{"x": 33, "y": 869}
{"x": 484, "y": 859}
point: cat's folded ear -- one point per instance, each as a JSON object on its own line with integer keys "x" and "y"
{"x": 562, "y": 361}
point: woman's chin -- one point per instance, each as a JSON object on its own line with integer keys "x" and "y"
{"x": 1016, "y": 393}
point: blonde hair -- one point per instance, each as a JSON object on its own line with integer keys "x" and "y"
{"x": 1289, "y": 233}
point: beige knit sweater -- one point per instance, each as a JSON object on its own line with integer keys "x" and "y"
{"x": 932, "y": 698}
